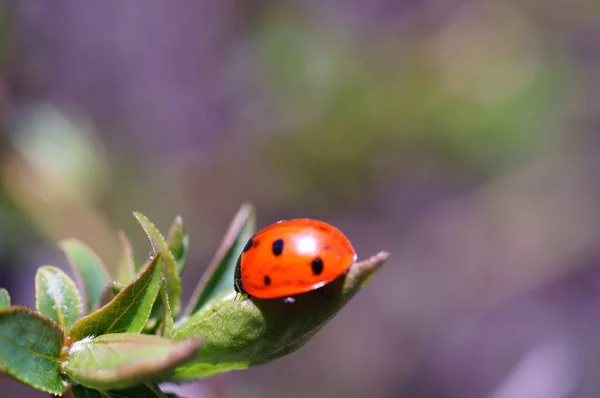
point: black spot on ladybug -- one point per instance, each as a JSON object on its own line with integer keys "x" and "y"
{"x": 248, "y": 245}
{"x": 317, "y": 266}
{"x": 267, "y": 280}
{"x": 256, "y": 243}
{"x": 277, "y": 247}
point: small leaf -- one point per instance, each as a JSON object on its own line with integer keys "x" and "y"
{"x": 128, "y": 311}
{"x": 126, "y": 265}
{"x": 167, "y": 322}
{"x": 179, "y": 243}
{"x": 56, "y": 296}
{"x": 133, "y": 392}
{"x": 218, "y": 277}
{"x": 159, "y": 245}
{"x": 247, "y": 332}
{"x": 30, "y": 347}
{"x": 4, "y": 298}
{"x": 115, "y": 361}
{"x": 183, "y": 256}
{"x": 109, "y": 292}
{"x": 88, "y": 267}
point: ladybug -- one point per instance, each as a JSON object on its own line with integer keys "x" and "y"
{"x": 292, "y": 257}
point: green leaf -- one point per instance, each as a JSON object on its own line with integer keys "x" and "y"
{"x": 56, "y": 296}
{"x": 133, "y": 392}
{"x": 178, "y": 243}
{"x": 4, "y": 298}
{"x": 218, "y": 277}
{"x": 167, "y": 322}
{"x": 245, "y": 332}
{"x": 127, "y": 265}
{"x": 159, "y": 245}
{"x": 109, "y": 292}
{"x": 30, "y": 346}
{"x": 128, "y": 311}
{"x": 115, "y": 361}
{"x": 88, "y": 267}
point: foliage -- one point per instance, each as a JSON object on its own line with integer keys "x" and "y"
{"x": 134, "y": 334}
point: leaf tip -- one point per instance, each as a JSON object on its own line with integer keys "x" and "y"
{"x": 376, "y": 260}
{"x": 247, "y": 209}
{"x": 372, "y": 264}
{"x": 362, "y": 271}
{"x": 122, "y": 236}
{"x": 139, "y": 216}
{"x": 4, "y": 298}
{"x": 64, "y": 244}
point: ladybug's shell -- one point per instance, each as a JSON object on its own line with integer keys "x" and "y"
{"x": 293, "y": 257}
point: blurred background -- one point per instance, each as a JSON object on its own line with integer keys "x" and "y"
{"x": 460, "y": 136}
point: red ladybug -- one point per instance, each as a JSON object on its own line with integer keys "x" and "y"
{"x": 292, "y": 257}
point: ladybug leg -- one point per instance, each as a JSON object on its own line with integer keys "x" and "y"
{"x": 239, "y": 296}
{"x": 324, "y": 294}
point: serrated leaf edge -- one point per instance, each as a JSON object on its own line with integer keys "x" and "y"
{"x": 170, "y": 268}
{"x": 167, "y": 325}
{"x": 122, "y": 292}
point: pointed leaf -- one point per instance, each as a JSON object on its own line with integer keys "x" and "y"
{"x": 159, "y": 245}
{"x": 183, "y": 256}
{"x": 167, "y": 322}
{"x": 179, "y": 243}
{"x": 88, "y": 267}
{"x": 246, "y": 332}
{"x": 4, "y": 298}
{"x": 156, "y": 314}
{"x": 126, "y": 265}
{"x": 218, "y": 277}
{"x": 133, "y": 392}
{"x": 56, "y": 296}
{"x": 128, "y": 311}
{"x": 114, "y": 361}
{"x": 30, "y": 347}
{"x": 110, "y": 291}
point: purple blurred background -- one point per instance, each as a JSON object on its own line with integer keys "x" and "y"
{"x": 460, "y": 136}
